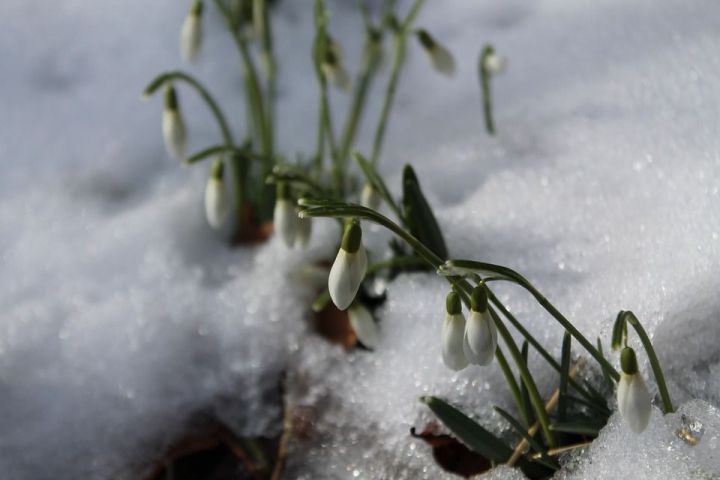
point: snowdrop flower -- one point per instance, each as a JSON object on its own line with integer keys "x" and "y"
{"x": 216, "y": 198}
{"x": 480, "y": 341}
{"x": 453, "y": 333}
{"x": 348, "y": 270}
{"x": 370, "y": 197}
{"x": 285, "y": 217}
{"x": 441, "y": 58}
{"x": 304, "y": 229}
{"x": 173, "y": 125}
{"x": 493, "y": 63}
{"x": 333, "y": 68}
{"x": 191, "y": 33}
{"x": 364, "y": 325}
{"x": 632, "y": 395}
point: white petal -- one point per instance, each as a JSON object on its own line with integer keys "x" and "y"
{"x": 174, "y": 133}
{"x": 370, "y": 197}
{"x": 346, "y": 275}
{"x": 364, "y": 325}
{"x": 443, "y": 60}
{"x": 285, "y": 220}
{"x": 216, "y": 203}
{"x": 338, "y": 76}
{"x": 481, "y": 337}
{"x": 634, "y": 401}
{"x": 304, "y": 230}
{"x": 495, "y": 63}
{"x": 191, "y": 37}
{"x": 453, "y": 333}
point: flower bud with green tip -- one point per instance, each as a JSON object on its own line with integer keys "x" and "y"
{"x": 370, "y": 197}
{"x": 285, "y": 217}
{"x": 480, "y": 341}
{"x": 191, "y": 33}
{"x": 453, "y": 334}
{"x": 363, "y": 323}
{"x": 348, "y": 270}
{"x": 634, "y": 401}
{"x": 217, "y": 204}
{"x": 173, "y": 125}
{"x": 441, "y": 58}
{"x": 333, "y": 68}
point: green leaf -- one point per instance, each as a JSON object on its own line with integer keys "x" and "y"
{"x": 534, "y": 444}
{"x": 601, "y": 410}
{"x": 468, "y": 431}
{"x": 577, "y": 427}
{"x": 564, "y": 376}
{"x": 527, "y": 406}
{"x": 606, "y": 374}
{"x": 419, "y": 217}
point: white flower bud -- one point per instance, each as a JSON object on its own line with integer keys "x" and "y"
{"x": 634, "y": 401}
{"x": 348, "y": 270}
{"x": 191, "y": 33}
{"x": 304, "y": 230}
{"x": 333, "y": 68}
{"x": 494, "y": 63}
{"x": 480, "y": 341}
{"x": 216, "y": 198}
{"x": 173, "y": 126}
{"x": 440, "y": 57}
{"x": 363, "y": 323}
{"x": 370, "y": 197}
{"x": 285, "y": 220}
{"x": 453, "y": 332}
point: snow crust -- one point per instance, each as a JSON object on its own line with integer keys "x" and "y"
{"x": 124, "y": 314}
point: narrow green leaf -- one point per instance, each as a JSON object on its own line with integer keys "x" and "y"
{"x": 606, "y": 374}
{"x": 579, "y": 428}
{"x": 419, "y": 217}
{"x": 209, "y": 152}
{"x": 564, "y": 376}
{"x": 523, "y": 388}
{"x": 604, "y": 411}
{"x": 468, "y": 431}
{"x": 534, "y": 444}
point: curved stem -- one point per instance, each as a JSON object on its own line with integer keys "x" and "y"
{"x": 204, "y": 94}
{"x": 485, "y": 87}
{"x": 512, "y": 383}
{"x": 654, "y": 362}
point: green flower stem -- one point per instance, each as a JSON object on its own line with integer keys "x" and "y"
{"x": 255, "y": 99}
{"x": 402, "y": 261}
{"x": 212, "y": 151}
{"x": 532, "y": 341}
{"x": 654, "y": 362}
{"x": 514, "y": 388}
{"x": 485, "y": 87}
{"x": 345, "y": 211}
{"x": 377, "y": 182}
{"x": 518, "y": 279}
{"x": 202, "y": 91}
{"x": 400, "y": 51}
{"x": 535, "y": 398}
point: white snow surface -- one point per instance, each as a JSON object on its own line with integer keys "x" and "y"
{"x": 124, "y": 315}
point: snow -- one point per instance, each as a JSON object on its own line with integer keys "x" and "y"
{"x": 124, "y": 314}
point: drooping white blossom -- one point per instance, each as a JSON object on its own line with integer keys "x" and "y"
{"x": 348, "y": 270}
{"x": 453, "y": 333}
{"x": 480, "y": 341}
{"x": 440, "y": 57}
{"x": 633, "y": 397}
{"x": 370, "y": 197}
{"x": 217, "y": 206}
{"x": 191, "y": 33}
{"x": 363, "y": 323}
{"x": 173, "y": 126}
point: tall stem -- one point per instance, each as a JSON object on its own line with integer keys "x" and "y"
{"x": 400, "y": 50}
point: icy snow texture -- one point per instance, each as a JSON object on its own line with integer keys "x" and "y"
{"x": 123, "y": 313}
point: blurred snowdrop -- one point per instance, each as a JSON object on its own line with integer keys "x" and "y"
{"x": 216, "y": 198}
{"x": 348, "y": 270}
{"x": 364, "y": 325}
{"x": 369, "y": 197}
{"x": 453, "y": 333}
{"x": 191, "y": 33}
{"x": 480, "y": 340}
{"x": 440, "y": 57}
{"x": 304, "y": 230}
{"x": 285, "y": 216}
{"x": 634, "y": 401}
{"x": 494, "y": 64}
{"x": 173, "y": 125}
{"x": 333, "y": 68}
